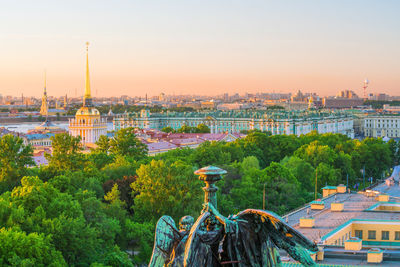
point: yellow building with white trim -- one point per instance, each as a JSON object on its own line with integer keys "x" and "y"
{"x": 88, "y": 123}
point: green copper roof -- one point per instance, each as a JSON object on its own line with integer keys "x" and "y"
{"x": 354, "y": 239}
{"x": 320, "y": 202}
{"x": 375, "y": 250}
{"x": 329, "y": 187}
{"x": 249, "y": 114}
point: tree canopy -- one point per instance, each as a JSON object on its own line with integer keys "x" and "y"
{"x": 14, "y": 158}
{"x": 125, "y": 143}
{"x": 100, "y": 208}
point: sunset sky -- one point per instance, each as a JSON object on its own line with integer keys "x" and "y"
{"x": 199, "y": 47}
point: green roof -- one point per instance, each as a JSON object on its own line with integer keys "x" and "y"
{"x": 256, "y": 114}
{"x": 375, "y": 250}
{"x": 382, "y": 243}
{"x": 320, "y": 202}
{"x": 329, "y": 187}
{"x": 354, "y": 240}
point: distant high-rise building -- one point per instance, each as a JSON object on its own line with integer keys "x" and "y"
{"x": 347, "y": 94}
{"x": 161, "y": 97}
{"x": 88, "y": 123}
{"x": 298, "y": 97}
{"x": 65, "y": 102}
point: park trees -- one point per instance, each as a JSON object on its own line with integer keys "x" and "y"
{"x": 302, "y": 170}
{"x": 325, "y": 175}
{"x": 283, "y": 189}
{"x": 20, "y": 249}
{"x": 374, "y": 155}
{"x": 91, "y": 207}
{"x": 65, "y": 154}
{"x": 394, "y": 147}
{"x": 315, "y": 153}
{"x": 126, "y": 144}
{"x": 103, "y": 144}
{"x": 186, "y": 129}
{"x": 99, "y": 159}
{"x": 166, "y": 189}
{"x": 210, "y": 153}
{"x": 74, "y": 224}
{"x": 252, "y": 149}
{"x": 280, "y": 146}
{"x": 168, "y": 129}
{"x": 202, "y": 128}
{"x": 14, "y": 158}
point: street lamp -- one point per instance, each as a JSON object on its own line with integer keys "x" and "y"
{"x": 364, "y": 177}
{"x": 316, "y": 186}
{"x": 264, "y": 196}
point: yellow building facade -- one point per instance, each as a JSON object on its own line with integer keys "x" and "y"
{"x": 88, "y": 123}
{"x": 370, "y": 232}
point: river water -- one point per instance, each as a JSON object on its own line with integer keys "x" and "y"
{"x": 23, "y": 127}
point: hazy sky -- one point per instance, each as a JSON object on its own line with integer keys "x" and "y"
{"x": 199, "y": 47}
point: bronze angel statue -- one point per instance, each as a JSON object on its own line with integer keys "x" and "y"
{"x": 250, "y": 238}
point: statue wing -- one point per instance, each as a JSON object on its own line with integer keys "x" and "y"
{"x": 195, "y": 250}
{"x": 165, "y": 237}
{"x": 266, "y": 223}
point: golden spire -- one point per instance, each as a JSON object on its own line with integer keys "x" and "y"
{"x": 87, "y": 97}
{"x": 45, "y": 105}
{"x": 45, "y": 82}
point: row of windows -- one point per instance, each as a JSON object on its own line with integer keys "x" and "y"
{"x": 383, "y": 120}
{"x": 41, "y": 143}
{"x": 388, "y": 133}
{"x": 385, "y": 235}
{"x": 383, "y": 126}
{"x": 341, "y": 240}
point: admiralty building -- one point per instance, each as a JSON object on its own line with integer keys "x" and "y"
{"x": 277, "y": 122}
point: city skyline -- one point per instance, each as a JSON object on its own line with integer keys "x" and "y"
{"x": 192, "y": 48}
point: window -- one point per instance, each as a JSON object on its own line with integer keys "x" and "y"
{"x": 371, "y": 234}
{"x": 397, "y": 235}
{"x": 359, "y": 234}
{"x": 385, "y": 235}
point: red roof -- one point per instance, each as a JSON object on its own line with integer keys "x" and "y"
{"x": 186, "y": 141}
{"x": 160, "y": 146}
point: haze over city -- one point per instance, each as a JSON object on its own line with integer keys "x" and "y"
{"x": 199, "y": 47}
{"x": 200, "y": 133}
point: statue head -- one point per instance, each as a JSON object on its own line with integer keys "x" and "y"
{"x": 210, "y": 223}
{"x": 185, "y": 223}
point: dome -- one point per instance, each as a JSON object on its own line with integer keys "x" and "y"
{"x": 87, "y": 111}
{"x": 47, "y": 126}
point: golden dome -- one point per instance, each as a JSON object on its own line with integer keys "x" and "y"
{"x": 87, "y": 111}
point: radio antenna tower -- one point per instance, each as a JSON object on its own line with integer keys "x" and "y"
{"x": 366, "y": 82}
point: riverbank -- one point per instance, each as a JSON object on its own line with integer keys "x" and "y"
{"x": 53, "y": 119}
{"x": 24, "y": 127}
{"x": 13, "y": 120}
